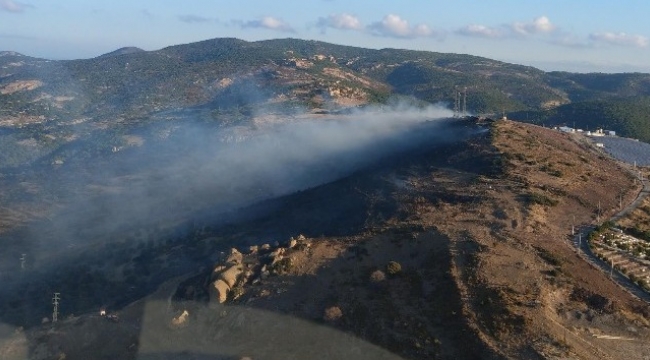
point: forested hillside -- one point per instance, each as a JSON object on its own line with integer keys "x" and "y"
{"x": 629, "y": 117}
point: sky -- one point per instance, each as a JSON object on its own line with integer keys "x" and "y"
{"x": 570, "y": 35}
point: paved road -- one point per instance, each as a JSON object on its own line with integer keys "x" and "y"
{"x": 590, "y": 257}
{"x": 645, "y": 191}
{"x": 580, "y": 241}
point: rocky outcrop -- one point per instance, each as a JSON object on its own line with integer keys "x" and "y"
{"x": 261, "y": 262}
{"x": 226, "y": 276}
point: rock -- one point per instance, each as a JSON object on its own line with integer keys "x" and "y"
{"x": 301, "y": 237}
{"x": 181, "y": 320}
{"x": 264, "y": 273}
{"x": 217, "y": 271}
{"x": 292, "y": 243}
{"x": 266, "y": 247}
{"x": 231, "y": 275}
{"x": 277, "y": 254}
{"x": 219, "y": 291}
{"x": 248, "y": 274}
{"x": 235, "y": 257}
{"x": 253, "y": 249}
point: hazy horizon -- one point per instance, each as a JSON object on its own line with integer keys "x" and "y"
{"x": 552, "y": 36}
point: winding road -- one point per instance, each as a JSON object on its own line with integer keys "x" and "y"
{"x": 580, "y": 242}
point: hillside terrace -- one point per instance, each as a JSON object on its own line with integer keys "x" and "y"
{"x": 626, "y": 254}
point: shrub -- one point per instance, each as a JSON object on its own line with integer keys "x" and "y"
{"x": 549, "y": 257}
{"x": 377, "y": 276}
{"x": 541, "y": 199}
{"x": 554, "y": 272}
{"x": 393, "y": 268}
{"x": 282, "y": 267}
{"x": 332, "y": 314}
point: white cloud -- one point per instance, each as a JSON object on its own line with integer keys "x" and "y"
{"x": 13, "y": 6}
{"x": 482, "y": 31}
{"x": 268, "y": 22}
{"x": 340, "y": 21}
{"x": 394, "y": 26}
{"x": 621, "y": 39}
{"x": 539, "y": 25}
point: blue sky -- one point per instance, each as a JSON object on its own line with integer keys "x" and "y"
{"x": 575, "y": 35}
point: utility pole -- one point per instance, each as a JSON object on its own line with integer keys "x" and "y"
{"x": 579, "y": 240}
{"x": 465, "y": 101}
{"x": 620, "y": 200}
{"x": 23, "y": 260}
{"x": 55, "y": 302}
{"x": 573, "y": 226}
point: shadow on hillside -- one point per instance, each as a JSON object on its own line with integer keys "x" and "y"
{"x": 345, "y": 208}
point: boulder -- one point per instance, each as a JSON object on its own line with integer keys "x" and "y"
{"x": 264, "y": 273}
{"x": 235, "y": 257}
{"x": 231, "y": 275}
{"x": 277, "y": 254}
{"x": 266, "y": 247}
{"x": 181, "y": 319}
{"x": 219, "y": 291}
{"x": 292, "y": 243}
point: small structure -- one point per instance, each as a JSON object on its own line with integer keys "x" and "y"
{"x": 611, "y": 132}
{"x": 600, "y": 145}
{"x": 566, "y": 129}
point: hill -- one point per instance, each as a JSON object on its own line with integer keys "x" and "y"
{"x": 123, "y": 51}
{"x": 86, "y": 106}
{"x": 628, "y": 117}
{"x": 454, "y": 252}
{"x": 134, "y": 83}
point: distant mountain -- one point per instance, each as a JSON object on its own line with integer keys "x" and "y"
{"x": 123, "y": 51}
{"x": 228, "y": 77}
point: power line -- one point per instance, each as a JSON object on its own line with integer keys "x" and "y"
{"x": 55, "y": 302}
